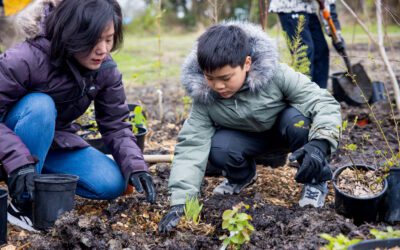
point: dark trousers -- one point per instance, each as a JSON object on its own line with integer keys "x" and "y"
{"x": 234, "y": 151}
{"x": 313, "y": 37}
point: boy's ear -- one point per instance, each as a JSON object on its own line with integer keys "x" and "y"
{"x": 247, "y": 63}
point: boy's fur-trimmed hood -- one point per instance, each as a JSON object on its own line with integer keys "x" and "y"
{"x": 264, "y": 55}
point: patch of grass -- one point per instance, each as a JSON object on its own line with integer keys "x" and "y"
{"x": 138, "y": 59}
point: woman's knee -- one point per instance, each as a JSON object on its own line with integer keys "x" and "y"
{"x": 104, "y": 184}
{"x": 40, "y": 105}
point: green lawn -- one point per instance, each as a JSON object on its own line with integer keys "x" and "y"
{"x": 138, "y": 60}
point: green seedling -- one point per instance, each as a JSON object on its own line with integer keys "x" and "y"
{"x": 388, "y": 234}
{"x": 340, "y": 242}
{"x": 238, "y": 225}
{"x": 298, "y": 57}
{"x": 193, "y": 209}
{"x": 138, "y": 120}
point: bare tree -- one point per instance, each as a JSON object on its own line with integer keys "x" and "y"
{"x": 215, "y": 5}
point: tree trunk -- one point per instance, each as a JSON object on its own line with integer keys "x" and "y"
{"x": 384, "y": 56}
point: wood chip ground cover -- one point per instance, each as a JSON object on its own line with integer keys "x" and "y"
{"x": 129, "y": 222}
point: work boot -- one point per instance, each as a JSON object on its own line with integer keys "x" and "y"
{"x": 273, "y": 160}
{"x": 230, "y": 187}
{"x": 314, "y": 194}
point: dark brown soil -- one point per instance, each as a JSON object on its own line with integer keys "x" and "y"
{"x": 129, "y": 222}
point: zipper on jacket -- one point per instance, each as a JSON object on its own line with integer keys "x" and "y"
{"x": 235, "y": 104}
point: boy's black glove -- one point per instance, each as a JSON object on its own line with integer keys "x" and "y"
{"x": 171, "y": 219}
{"x": 313, "y": 164}
{"x": 143, "y": 182}
{"x": 20, "y": 183}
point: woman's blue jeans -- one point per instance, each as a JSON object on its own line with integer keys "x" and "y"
{"x": 33, "y": 120}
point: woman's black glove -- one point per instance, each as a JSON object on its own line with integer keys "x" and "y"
{"x": 171, "y": 219}
{"x": 313, "y": 164}
{"x": 20, "y": 183}
{"x": 143, "y": 182}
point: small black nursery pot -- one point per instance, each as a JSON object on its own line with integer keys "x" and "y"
{"x": 375, "y": 244}
{"x": 391, "y": 207}
{"x": 378, "y": 93}
{"x": 360, "y": 209}
{"x": 3, "y": 216}
{"x": 54, "y": 195}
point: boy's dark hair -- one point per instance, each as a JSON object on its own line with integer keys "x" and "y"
{"x": 75, "y": 26}
{"x": 222, "y": 45}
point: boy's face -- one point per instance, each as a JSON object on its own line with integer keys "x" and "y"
{"x": 226, "y": 81}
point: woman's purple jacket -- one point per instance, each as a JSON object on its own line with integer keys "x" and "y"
{"x": 27, "y": 68}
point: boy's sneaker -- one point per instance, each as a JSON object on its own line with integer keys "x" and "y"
{"x": 314, "y": 194}
{"x": 20, "y": 217}
{"x": 226, "y": 187}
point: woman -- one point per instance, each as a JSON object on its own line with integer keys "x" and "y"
{"x": 45, "y": 84}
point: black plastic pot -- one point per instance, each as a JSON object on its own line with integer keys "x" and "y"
{"x": 360, "y": 209}
{"x": 99, "y": 144}
{"x": 375, "y": 244}
{"x": 3, "y": 216}
{"x": 391, "y": 207}
{"x": 378, "y": 92}
{"x": 54, "y": 195}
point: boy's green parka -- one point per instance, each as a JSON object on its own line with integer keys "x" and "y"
{"x": 269, "y": 88}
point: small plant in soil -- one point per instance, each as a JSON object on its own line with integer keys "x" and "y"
{"x": 88, "y": 120}
{"x": 193, "y": 209}
{"x": 390, "y": 156}
{"x": 390, "y": 233}
{"x": 238, "y": 225}
{"x": 359, "y": 182}
{"x": 340, "y": 242}
{"x": 191, "y": 219}
{"x": 138, "y": 120}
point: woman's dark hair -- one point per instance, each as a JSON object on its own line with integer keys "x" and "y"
{"x": 222, "y": 45}
{"x": 75, "y": 26}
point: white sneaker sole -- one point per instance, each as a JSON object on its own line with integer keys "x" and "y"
{"x": 318, "y": 202}
{"x": 18, "y": 222}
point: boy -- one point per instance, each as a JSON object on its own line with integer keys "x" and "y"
{"x": 246, "y": 104}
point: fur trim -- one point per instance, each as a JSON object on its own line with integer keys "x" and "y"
{"x": 31, "y": 20}
{"x": 264, "y": 55}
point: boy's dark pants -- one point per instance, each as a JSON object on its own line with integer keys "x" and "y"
{"x": 233, "y": 151}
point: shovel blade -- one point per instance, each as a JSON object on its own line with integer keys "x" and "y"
{"x": 354, "y": 90}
